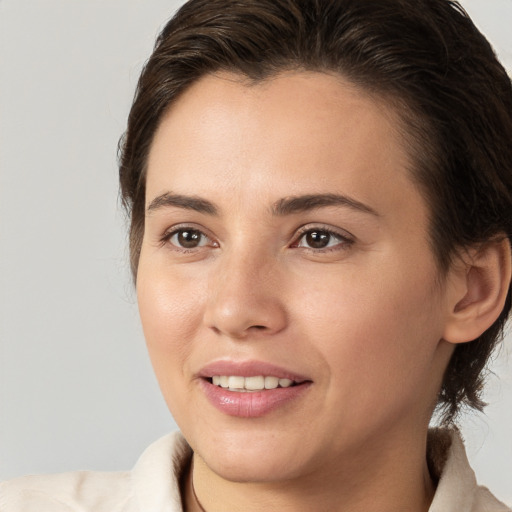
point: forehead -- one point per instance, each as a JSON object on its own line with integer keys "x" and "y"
{"x": 294, "y": 133}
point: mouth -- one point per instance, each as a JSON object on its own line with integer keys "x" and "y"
{"x": 251, "y": 384}
{"x": 251, "y": 389}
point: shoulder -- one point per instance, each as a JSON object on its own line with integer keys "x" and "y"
{"x": 80, "y": 490}
{"x": 457, "y": 488}
{"x": 151, "y": 485}
{"x": 485, "y": 501}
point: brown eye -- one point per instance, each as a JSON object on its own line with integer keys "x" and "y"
{"x": 317, "y": 239}
{"x": 188, "y": 238}
{"x": 322, "y": 239}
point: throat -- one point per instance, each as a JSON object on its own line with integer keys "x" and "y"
{"x": 189, "y": 500}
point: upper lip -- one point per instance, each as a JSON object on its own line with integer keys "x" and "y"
{"x": 249, "y": 369}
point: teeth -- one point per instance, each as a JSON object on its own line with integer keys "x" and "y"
{"x": 271, "y": 382}
{"x": 236, "y": 382}
{"x": 255, "y": 383}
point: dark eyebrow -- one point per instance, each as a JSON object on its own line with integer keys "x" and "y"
{"x": 187, "y": 202}
{"x": 285, "y": 206}
{"x": 297, "y": 204}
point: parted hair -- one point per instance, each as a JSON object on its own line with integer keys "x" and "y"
{"x": 426, "y": 58}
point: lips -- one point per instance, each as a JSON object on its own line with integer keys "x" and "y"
{"x": 250, "y": 389}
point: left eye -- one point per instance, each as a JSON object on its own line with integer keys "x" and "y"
{"x": 320, "y": 239}
{"x": 188, "y": 238}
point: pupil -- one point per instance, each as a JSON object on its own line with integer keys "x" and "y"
{"x": 318, "y": 239}
{"x": 189, "y": 239}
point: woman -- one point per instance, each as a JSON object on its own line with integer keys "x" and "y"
{"x": 321, "y": 210}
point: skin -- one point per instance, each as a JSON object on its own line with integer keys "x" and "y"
{"x": 365, "y": 318}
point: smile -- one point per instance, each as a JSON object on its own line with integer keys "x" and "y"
{"x": 251, "y": 389}
{"x": 250, "y": 384}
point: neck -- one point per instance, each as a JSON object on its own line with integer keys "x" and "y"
{"x": 378, "y": 477}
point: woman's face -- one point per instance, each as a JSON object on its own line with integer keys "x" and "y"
{"x": 285, "y": 240}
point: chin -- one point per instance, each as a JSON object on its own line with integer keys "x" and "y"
{"x": 244, "y": 469}
{"x": 249, "y": 457}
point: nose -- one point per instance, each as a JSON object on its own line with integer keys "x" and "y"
{"x": 245, "y": 298}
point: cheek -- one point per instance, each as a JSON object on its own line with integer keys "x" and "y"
{"x": 170, "y": 313}
{"x": 376, "y": 331}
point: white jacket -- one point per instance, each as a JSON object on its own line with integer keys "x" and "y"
{"x": 152, "y": 485}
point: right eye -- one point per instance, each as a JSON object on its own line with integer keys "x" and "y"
{"x": 188, "y": 238}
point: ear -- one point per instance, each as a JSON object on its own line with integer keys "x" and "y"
{"x": 477, "y": 289}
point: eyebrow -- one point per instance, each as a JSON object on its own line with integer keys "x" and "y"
{"x": 181, "y": 201}
{"x": 285, "y": 206}
{"x": 298, "y": 204}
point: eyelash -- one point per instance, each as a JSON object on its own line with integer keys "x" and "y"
{"x": 168, "y": 235}
{"x": 344, "y": 240}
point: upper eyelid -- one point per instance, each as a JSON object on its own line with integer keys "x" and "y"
{"x": 168, "y": 232}
{"x": 343, "y": 233}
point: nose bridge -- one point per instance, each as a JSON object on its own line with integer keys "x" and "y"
{"x": 245, "y": 294}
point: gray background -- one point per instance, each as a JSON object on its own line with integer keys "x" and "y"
{"x": 76, "y": 387}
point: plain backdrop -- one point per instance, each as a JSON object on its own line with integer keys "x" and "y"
{"x": 76, "y": 387}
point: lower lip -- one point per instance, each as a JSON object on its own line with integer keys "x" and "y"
{"x": 252, "y": 404}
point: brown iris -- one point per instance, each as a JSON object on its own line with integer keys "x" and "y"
{"x": 189, "y": 238}
{"x": 318, "y": 239}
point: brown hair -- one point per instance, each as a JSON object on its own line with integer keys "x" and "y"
{"x": 424, "y": 56}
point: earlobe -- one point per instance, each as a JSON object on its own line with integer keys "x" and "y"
{"x": 478, "y": 291}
